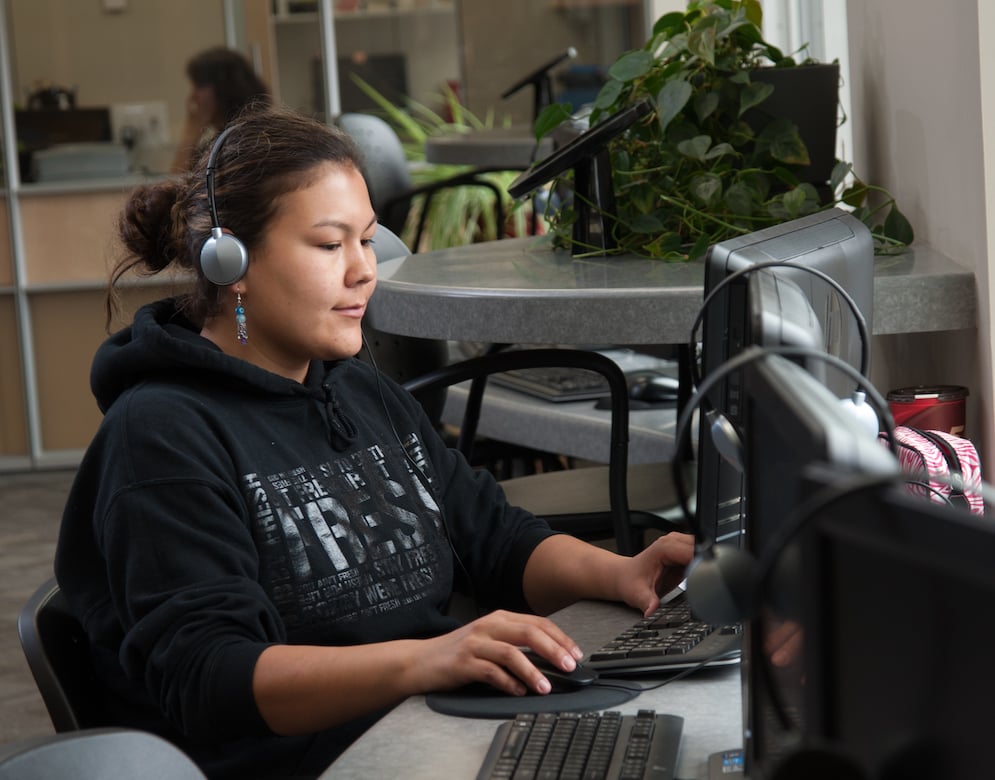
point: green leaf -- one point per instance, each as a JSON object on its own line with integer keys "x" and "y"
{"x": 700, "y": 247}
{"x": 754, "y": 12}
{"x": 705, "y": 105}
{"x": 646, "y": 223}
{"x": 740, "y": 199}
{"x": 786, "y": 176}
{"x": 855, "y": 195}
{"x": 671, "y": 101}
{"x": 753, "y": 94}
{"x": 840, "y": 171}
{"x": 631, "y": 65}
{"x": 669, "y": 24}
{"x": 785, "y": 143}
{"x": 701, "y": 39}
{"x": 608, "y": 94}
{"x": 897, "y": 227}
{"x": 740, "y": 133}
{"x": 719, "y": 150}
{"x": 793, "y": 201}
{"x": 550, "y": 117}
{"x": 706, "y": 188}
{"x": 696, "y": 148}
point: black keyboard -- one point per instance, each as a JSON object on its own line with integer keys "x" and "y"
{"x": 555, "y": 383}
{"x": 585, "y": 746}
{"x": 670, "y": 639}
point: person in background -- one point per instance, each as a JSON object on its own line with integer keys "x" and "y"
{"x": 265, "y": 534}
{"x": 222, "y": 84}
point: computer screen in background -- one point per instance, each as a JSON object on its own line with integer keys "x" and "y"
{"x": 43, "y": 128}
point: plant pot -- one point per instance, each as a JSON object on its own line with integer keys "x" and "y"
{"x": 808, "y": 96}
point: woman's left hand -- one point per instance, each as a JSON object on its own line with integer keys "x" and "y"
{"x": 656, "y": 571}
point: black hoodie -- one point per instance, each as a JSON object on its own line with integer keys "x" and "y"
{"x": 221, "y": 509}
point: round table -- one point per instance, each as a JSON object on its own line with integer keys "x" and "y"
{"x": 524, "y": 291}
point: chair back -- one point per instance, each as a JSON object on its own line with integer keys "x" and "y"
{"x": 404, "y": 357}
{"x": 58, "y": 653}
{"x": 385, "y": 166}
{"x": 96, "y": 753}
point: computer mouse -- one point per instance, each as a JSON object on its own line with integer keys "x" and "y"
{"x": 562, "y": 681}
{"x": 652, "y": 387}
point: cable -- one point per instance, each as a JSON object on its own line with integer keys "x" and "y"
{"x": 789, "y": 263}
{"x": 751, "y": 355}
{"x": 421, "y": 477}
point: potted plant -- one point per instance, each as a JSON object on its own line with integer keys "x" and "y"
{"x": 460, "y": 215}
{"x": 719, "y": 155}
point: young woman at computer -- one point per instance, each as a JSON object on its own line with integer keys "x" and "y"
{"x": 264, "y": 535}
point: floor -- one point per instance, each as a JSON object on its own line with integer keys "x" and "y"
{"x": 30, "y": 508}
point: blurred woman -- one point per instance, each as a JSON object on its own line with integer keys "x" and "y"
{"x": 222, "y": 83}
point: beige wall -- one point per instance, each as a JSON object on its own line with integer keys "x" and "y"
{"x": 921, "y": 88}
{"x": 136, "y": 55}
{"x": 504, "y": 41}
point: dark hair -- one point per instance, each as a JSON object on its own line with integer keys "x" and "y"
{"x": 234, "y": 81}
{"x": 268, "y": 153}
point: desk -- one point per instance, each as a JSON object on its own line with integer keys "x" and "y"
{"x": 522, "y": 291}
{"x": 493, "y": 147}
{"x": 572, "y": 428}
{"x": 415, "y": 742}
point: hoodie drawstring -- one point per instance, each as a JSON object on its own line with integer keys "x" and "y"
{"x": 341, "y": 430}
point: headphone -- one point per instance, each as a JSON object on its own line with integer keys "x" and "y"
{"x": 223, "y": 258}
{"x": 722, "y": 579}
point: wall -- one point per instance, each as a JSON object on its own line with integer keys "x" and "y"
{"x": 920, "y": 92}
{"x": 504, "y": 42}
{"x": 136, "y": 55}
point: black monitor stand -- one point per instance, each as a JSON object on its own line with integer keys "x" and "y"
{"x": 589, "y": 158}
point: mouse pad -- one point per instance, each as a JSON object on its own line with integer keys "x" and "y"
{"x": 481, "y": 701}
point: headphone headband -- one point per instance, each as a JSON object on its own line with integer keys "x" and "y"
{"x": 223, "y": 258}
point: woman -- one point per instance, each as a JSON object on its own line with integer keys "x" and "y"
{"x": 222, "y": 84}
{"x": 264, "y": 535}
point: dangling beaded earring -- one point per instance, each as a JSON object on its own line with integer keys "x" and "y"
{"x": 241, "y": 332}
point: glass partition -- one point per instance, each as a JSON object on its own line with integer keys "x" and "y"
{"x": 94, "y": 99}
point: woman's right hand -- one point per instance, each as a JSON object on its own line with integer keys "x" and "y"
{"x": 488, "y": 650}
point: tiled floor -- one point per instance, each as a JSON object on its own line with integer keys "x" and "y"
{"x": 30, "y": 508}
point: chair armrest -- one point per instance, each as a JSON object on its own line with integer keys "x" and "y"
{"x": 479, "y": 368}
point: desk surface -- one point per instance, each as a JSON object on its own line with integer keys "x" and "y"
{"x": 415, "y": 742}
{"x": 523, "y": 291}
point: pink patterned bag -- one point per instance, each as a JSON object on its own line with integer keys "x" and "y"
{"x": 944, "y": 455}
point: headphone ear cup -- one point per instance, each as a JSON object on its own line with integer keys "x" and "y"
{"x": 720, "y": 585}
{"x": 223, "y": 258}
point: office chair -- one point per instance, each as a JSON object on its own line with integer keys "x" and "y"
{"x": 572, "y": 501}
{"x": 403, "y": 358}
{"x": 98, "y": 754}
{"x": 57, "y": 650}
{"x": 389, "y": 178}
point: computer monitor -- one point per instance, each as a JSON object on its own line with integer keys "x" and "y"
{"x": 898, "y": 643}
{"x": 42, "y": 128}
{"x": 801, "y": 439}
{"x": 829, "y": 243}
